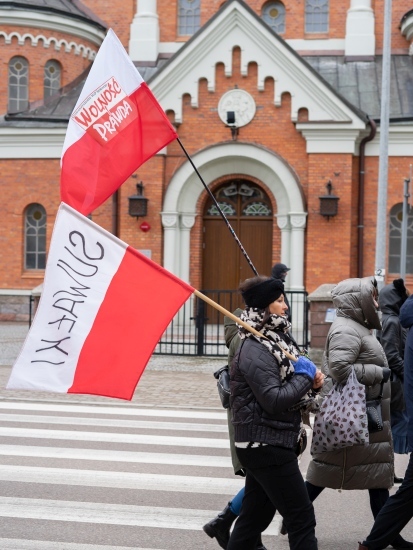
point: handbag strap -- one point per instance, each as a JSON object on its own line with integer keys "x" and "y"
{"x": 381, "y": 389}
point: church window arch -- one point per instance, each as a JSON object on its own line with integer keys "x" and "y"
{"x": 189, "y": 17}
{"x": 52, "y": 77}
{"x": 316, "y": 15}
{"x": 18, "y": 84}
{"x": 35, "y": 237}
{"x": 273, "y": 14}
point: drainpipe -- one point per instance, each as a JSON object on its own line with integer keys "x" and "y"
{"x": 360, "y": 226}
{"x": 115, "y": 213}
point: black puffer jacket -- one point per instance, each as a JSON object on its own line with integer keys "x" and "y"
{"x": 259, "y": 400}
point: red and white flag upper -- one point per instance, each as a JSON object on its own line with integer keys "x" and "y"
{"x": 116, "y": 125}
{"x": 103, "y": 308}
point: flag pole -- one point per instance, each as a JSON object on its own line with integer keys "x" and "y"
{"x": 238, "y": 320}
{"x": 219, "y": 209}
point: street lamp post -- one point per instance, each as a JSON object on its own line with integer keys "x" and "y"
{"x": 381, "y": 224}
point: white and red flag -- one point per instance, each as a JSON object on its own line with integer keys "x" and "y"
{"x": 116, "y": 125}
{"x": 103, "y": 308}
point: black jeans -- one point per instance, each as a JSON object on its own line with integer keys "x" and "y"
{"x": 378, "y": 497}
{"x": 271, "y": 488}
{"x": 394, "y": 515}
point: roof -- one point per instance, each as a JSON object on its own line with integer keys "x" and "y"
{"x": 70, "y": 8}
{"x": 360, "y": 82}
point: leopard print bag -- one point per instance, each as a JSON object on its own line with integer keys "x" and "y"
{"x": 341, "y": 420}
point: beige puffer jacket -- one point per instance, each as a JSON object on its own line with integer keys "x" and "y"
{"x": 350, "y": 342}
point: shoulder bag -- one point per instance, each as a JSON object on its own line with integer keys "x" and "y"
{"x": 341, "y": 420}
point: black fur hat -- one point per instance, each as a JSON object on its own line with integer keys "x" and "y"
{"x": 264, "y": 293}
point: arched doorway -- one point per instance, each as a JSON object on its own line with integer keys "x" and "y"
{"x": 249, "y": 211}
{"x": 184, "y": 191}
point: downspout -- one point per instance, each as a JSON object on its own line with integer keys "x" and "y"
{"x": 360, "y": 226}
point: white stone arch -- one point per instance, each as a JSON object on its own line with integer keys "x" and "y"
{"x": 184, "y": 190}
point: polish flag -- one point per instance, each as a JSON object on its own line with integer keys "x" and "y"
{"x": 103, "y": 309}
{"x": 116, "y": 126}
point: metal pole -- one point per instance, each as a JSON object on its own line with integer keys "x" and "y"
{"x": 381, "y": 224}
{"x": 403, "y": 251}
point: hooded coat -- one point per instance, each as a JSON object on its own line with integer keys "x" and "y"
{"x": 350, "y": 343}
{"x": 393, "y": 338}
{"x": 406, "y": 320}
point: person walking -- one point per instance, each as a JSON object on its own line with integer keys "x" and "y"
{"x": 267, "y": 392}
{"x": 351, "y": 344}
{"x": 398, "y": 510}
{"x": 393, "y": 338}
{"x": 220, "y": 526}
{"x": 280, "y": 271}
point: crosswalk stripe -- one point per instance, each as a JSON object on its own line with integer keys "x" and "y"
{"x": 116, "y": 456}
{"x": 120, "y": 480}
{"x": 19, "y": 544}
{"x": 114, "y": 410}
{"x": 146, "y": 439}
{"x": 112, "y": 514}
{"x": 114, "y": 422}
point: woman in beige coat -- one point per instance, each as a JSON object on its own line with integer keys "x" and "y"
{"x": 351, "y": 343}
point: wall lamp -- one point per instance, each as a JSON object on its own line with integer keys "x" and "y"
{"x": 138, "y": 204}
{"x": 232, "y": 124}
{"x": 329, "y": 203}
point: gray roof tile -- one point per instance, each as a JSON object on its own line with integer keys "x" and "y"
{"x": 70, "y": 8}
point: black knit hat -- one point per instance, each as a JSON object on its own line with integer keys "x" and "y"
{"x": 263, "y": 294}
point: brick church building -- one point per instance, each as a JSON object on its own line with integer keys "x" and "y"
{"x": 277, "y": 103}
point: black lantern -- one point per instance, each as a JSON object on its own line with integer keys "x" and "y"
{"x": 138, "y": 204}
{"x": 329, "y": 203}
{"x": 232, "y": 124}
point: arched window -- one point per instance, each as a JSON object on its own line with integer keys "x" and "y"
{"x": 18, "y": 84}
{"x": 273, "y": 14}
{"x": 35, "y": 237}
{"x": 52, "y": 74}
{"x": 316, "y": 15}
{"x": 189, "y": 16}
{"x": 395, "y": 239}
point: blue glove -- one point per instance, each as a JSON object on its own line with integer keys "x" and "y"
{"x": 305, "y": 366}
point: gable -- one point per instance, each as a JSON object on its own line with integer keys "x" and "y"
{"x": 236, "y": 25}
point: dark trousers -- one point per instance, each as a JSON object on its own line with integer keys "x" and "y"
{"x": 378, "y": 497}
{"x": 394, "y": 515}
{"x": 275, "y": 487}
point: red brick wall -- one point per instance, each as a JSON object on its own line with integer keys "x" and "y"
{"x": 399, "y": 43}
{"x": 329, "y": 242}
{"x": 399, "y": 168}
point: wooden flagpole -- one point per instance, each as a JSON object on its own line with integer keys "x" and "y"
{"x": 238, "y": 320}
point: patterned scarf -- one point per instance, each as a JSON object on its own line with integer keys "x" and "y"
{"x": 277, "y": 344}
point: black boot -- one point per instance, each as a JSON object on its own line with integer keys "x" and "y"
{"x": 220, "y": 526}
{"x": 260, "y": 545}
{"x": 399, "y": 542}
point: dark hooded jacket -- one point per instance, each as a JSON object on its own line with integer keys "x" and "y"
{"x": 406, "y": 320}
{"x": 393, "y": 338}
{"x": 350, "y": 343}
